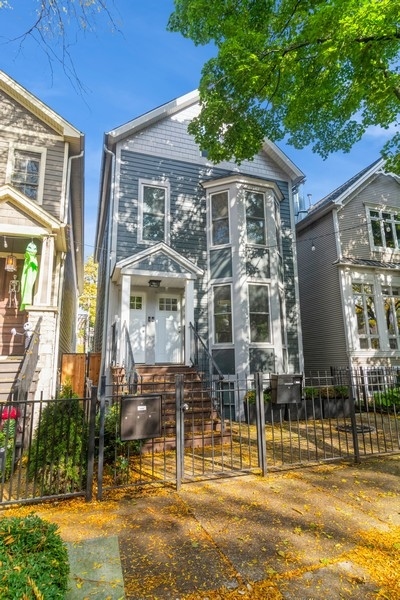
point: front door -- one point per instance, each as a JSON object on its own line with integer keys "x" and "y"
{"x": 155, "y": 327}
{"x": 10, "y": 315}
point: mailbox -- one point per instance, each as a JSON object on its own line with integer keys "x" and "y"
{"x": 285, "y": 388}
{"x": 140, "y": 417}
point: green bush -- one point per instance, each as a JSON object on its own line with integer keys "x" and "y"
{"x": 388, "y": 399}
{"x": 250, "y": 396}
{"x": 33, "y": 558}
{"x": 117, "y": 452}
{"x": 7, "y": 442}
{"x": 57, "y": 460}
{"x": 326, "y": 391}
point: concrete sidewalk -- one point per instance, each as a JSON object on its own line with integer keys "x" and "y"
{"x": 297, "y": 529}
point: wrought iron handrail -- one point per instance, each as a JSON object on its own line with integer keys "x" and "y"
{"x": 27, "y": 369}
{"x": 130, "y": 365}
{"x": 194, "y": 358}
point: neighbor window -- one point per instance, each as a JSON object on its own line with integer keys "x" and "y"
{"x": 391, "y": 298}
{"x": 255, "y": 217}
{"x": 26, "y": 173}
{"x": 153, "y": 213}
{"x": 222, "y": 314}
{"x": 220, "y": 218}
{"x": 259, "y": 313}
{"x": 365, "y": 310}
{"x": 385, "y": 228}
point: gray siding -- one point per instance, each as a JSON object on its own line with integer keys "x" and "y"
{"x": 188, "y": 225}
{"x": 355, "y": 243}
{"x": 324, "y": 341}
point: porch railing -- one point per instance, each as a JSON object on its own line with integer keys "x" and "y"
{"x": 28, "y": 366}
{"x": 204, "y": 363}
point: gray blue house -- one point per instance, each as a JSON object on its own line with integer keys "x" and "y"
{"x": 184, "y": 245}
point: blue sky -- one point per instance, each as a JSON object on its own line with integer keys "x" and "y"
{"x": 128, "y": 72}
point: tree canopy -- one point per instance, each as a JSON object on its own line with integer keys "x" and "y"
{"x": 312, "y": 72}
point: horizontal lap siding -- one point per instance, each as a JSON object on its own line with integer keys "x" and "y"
{"x": 382, "y": 192}
{"x": 324, "y": 341}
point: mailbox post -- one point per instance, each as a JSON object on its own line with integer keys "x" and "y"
{"x": 285, "y": 388}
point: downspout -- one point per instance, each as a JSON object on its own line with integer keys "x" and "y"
{"x": 61, "y": 271}
{"x": 108, "y": 272}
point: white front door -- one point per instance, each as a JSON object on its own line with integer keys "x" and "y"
{"x": 155, "y": 327}
{"x": 168, "y": 346}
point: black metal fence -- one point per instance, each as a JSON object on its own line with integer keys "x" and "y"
{"x": 176, "y": 429}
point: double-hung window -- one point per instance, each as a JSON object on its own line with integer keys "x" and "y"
{"x": 25, "y": 174}
{"x": 259, "y": 314}
{"x": 220, "y": 218}
{"x": 385, "y": 229}
{"x": 365, "y": 310}
{"x": 153, "y": 213}
{"x": 255, "y": 217}
{"x": 222, "y": 314}
{"x": 391, "y": 304}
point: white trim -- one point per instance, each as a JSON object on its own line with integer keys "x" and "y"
{"x": 14, "y": 147}
{"x": 153, "y": 183}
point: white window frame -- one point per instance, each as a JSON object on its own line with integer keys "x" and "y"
{"x": 368, "y": 335}
{"x": 27, "y": 149}
{"x": 231, "y": 342}
{"x": 155, "y": 184}
{"x": 267, "y": 291}
{"x": 393, "y": 211}
{"x": 228, "y": 218}
{"x": 249, "y": 190}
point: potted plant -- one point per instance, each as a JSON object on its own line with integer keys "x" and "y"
{"x": 273, "y": 413}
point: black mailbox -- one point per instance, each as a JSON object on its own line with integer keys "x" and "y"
{"x": 286, "y": 389}
{"x": 140, "y": 417}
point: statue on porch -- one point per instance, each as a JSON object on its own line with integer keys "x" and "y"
{"x": 13, "y": 289}
{"x": 28, "y": 332}
{"x": 29, "y": 273}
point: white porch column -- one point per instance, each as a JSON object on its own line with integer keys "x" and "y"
{"x": 125, "y": 303}
{"x": 189, "y": 316}
{"x": 45, "y": 275}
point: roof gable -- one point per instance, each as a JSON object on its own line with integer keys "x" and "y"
{"x": 160, "y": 258}
{"x": 41, "y": 111}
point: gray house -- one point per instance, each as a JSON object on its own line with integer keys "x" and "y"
{"x": 41, "y": 231}
{"x": 349, "y": 274}
{"x": 186, "y": 247}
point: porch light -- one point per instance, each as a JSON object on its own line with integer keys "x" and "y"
{"x": 11, "y": 263}
{"x": 154, "y": 283}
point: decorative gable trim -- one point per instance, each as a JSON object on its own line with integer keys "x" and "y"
{"x": 42, "y": 223}
{"x": 159, "y": 250}
{"x": 41, "y": 111}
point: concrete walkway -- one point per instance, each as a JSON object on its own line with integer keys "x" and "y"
{"x": 297, "y": 528}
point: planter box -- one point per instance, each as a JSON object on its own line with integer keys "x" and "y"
{"x": 336, "y": 408}
{"x": 307, "y": 409}
{"x": 273, "y": 413}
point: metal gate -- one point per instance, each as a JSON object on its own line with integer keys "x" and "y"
{"x": 179, "y": 430}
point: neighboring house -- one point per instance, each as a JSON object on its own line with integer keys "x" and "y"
{"x": 182, "y": 242}
{"x": 41, "y": 228}
{"x": 348, "y": 248}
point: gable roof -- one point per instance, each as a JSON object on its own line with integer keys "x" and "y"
{"x": 179, "y": 104}
{"x": 341, "y": 193}
{"x": 42, "y": 111}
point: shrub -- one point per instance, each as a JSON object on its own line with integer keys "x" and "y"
{"x": 7, "y": 443}
{"x": 58, "y": 455}
{"x": 250, "y": 396}
{"x": 117, "y": 452}
{"x": 33, "y": 558}
{"x": 388, "y": 399}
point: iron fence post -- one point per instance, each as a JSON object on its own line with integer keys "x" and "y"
{"x": 91, "y": 444}
{"x": 260, "y": 423}
{"x": 100, "y": 462}
{"x": 353, "y": 418}
{"x": 180, "y": 433}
